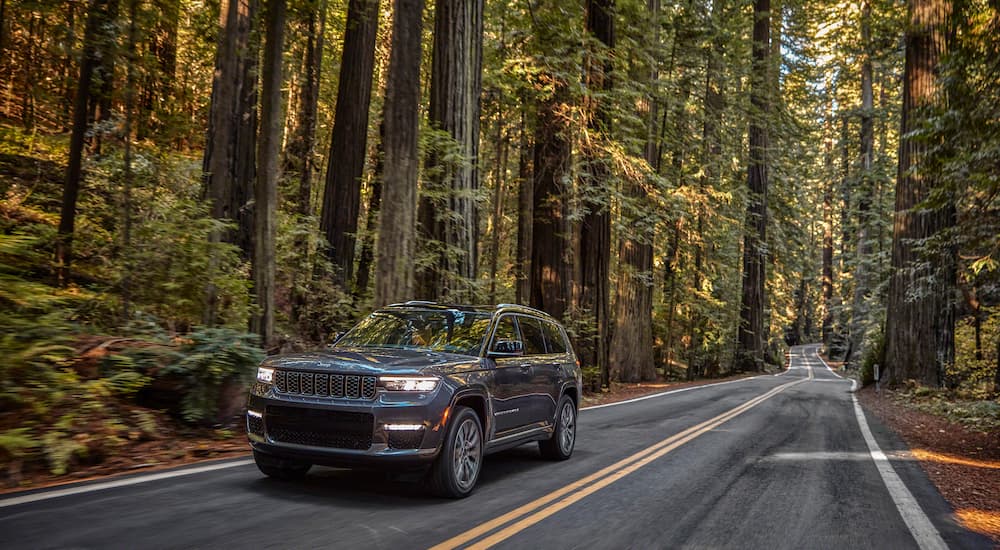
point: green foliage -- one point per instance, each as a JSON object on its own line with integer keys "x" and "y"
{"x": 874, "y": 353}
{"x": 211, "y": 358}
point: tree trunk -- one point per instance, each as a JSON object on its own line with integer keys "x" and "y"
{"x": 130, "y": 85}
{"x": 499, "y": 192}
{"x": 301, "y": 146}
{"x": 827, "y": 269}
{"x": 371, "y": 217}
{"x": 98, "y": 15}
{"x": 595, "y": 230}
{"x": 266, "y": 190}
{"x": 920, "y": 329}
{"x": 349, "y": 143}
{"x": 630, "y": 354}
{"x": 396, "y": 251}
{"x": 862, "y": 282}
{"x": 751, "y": 342}
{"x": 447, "y": 216}
{"x": 551, "y": 263}
{"x": 525, "y": 216}
{"x": 229, "y": 162}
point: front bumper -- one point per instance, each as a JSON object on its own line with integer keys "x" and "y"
{"x": 370, "y": 443}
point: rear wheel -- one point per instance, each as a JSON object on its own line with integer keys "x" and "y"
{"x": 280, "y": 468}
{"x": 457, "y": 467}
{"x": 560, "y": 445}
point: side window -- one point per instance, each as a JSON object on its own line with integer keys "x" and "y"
{"x": 506, "y": 331}
{"x": 554, "y": 338}
{"x": 531, "y": 333}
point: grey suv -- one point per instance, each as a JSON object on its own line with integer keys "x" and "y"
{"x": 420, "y": 384}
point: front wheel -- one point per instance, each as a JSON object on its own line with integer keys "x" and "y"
{"x": 279, "y": 468}
{"x": 560, "y": 445}
{"x": 457, "y": 467}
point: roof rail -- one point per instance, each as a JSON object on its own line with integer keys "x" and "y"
{"x": 519, "y": 306}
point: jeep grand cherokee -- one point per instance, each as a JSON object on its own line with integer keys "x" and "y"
{"x": 420, "y": 384}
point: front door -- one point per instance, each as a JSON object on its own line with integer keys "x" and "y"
{"x": 511, "y": 381}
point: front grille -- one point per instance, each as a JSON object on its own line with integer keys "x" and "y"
{"x": 405, "y": 439}
{"x": 349, "y": 386}
{"x": 318, "y": 428}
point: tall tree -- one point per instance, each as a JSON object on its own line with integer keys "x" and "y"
{"x": 348, "y": 145}
{"x": 229, "y": 162}
{"x": 862, "y": 269}
{"x": 752, "y": 338}
{"x": 266, "y": 189}
{"x": 551, "y": 248}
{"x": 920, "y": 315}
{"x": 595, "y": 229}
{"x": 396, "y": 246}
{"x": 448, "y": 217}
{"x": 99, "y": 15}
{"x": 631, "y": 349}
{"x": 525, "y": 214}
{"x": 301, "y": 144}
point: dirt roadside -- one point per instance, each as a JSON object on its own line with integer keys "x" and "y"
{"x": 963, "y": 464}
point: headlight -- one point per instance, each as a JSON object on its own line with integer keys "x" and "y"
{"x": 265, "y": 375}
{"x": 408, "y": 383}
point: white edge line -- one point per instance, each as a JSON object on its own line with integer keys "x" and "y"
{"x": 920, "y": 526}
{"x": 661, "y": 394}
{"x": 56, "y": 493}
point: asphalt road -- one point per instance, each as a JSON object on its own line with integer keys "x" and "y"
{"x": 767, "y": 462}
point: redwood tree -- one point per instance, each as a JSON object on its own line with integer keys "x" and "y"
{"x": 448, "y": 218}
{"x": 394, "y": 267}
{"x": 920, "y": 326}
{"x": 342, "y": 194}
{"x": 752, "y": 339}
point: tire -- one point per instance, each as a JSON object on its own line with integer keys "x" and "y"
{"x": 280, "y": 468}
{"x": 560, "y": 445}
{"x": 456, "y": 470}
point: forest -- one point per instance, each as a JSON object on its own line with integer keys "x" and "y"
{"x": 690, "y": 187}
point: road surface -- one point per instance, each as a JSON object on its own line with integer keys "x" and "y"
{"x": 774, "y": 461}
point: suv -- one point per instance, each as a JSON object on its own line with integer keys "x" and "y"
{"x": 420, "y": 384}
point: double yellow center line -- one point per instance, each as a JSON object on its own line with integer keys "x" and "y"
{"x": 529, "y": 514}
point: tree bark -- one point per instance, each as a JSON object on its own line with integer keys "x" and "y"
{"x": 127, "y": 177}
{"x": 525, "y": 215}
{"x": 348, "y": 144}
{"x": 751, "y": 341}
{"x": 371, "y": 217}
{"x": 630, "y": 354}
{"x": 301, "y": 147}
{"x": 229, "y": 162}
{"x": 862, "y": 282}
{"x": 266, "y": 189}
{"x": 595, "y": 230}
{"x": 396, "y": 251}
{"x": 920, "y": 326}
{"x": 448, "y": 215}
{"x": 98, "y": 15}
{"x": 827, "y": 268}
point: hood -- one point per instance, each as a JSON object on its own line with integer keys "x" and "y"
{"x": 375, "y": 361}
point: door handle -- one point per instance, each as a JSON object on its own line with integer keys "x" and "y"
{"x": 525, "y": 366}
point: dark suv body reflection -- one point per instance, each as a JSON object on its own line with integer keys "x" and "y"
{"x": 420, "y": 384}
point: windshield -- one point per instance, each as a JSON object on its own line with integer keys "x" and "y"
{"x": 450, "y": 330}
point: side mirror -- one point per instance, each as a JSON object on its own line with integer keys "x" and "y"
{"x": 507, "y": 348}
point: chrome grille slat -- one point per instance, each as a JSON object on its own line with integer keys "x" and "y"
{"x": 341, "y": 386}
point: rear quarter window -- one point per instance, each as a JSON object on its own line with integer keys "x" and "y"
{"x": 531, "y": 334}
{"x": 554, "y": 338}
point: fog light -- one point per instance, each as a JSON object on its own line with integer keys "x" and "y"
{"x": 254, "y": 414}
{"x": 403, "y": 427}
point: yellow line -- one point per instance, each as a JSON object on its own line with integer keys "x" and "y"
{"x": 603, "y": 478}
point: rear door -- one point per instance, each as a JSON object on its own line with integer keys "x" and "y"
{"x": 543, "y": 367}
